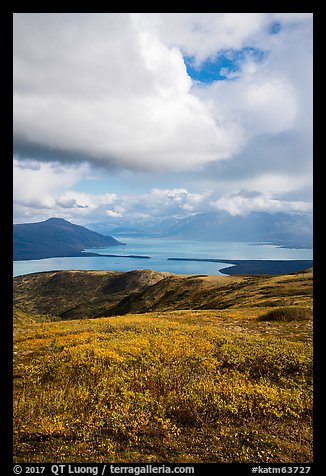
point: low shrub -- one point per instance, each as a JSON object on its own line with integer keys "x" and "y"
{"x": 286, "y": 314}
{"x": 161, "y": 387}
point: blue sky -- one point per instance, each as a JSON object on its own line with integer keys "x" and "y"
{"x": 225, "y": 66}
{"x": 130, "y": 117}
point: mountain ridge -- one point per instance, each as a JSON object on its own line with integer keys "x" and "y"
{"x": 280, "y": 228}
{"x": 293, "y": 230}
{"x": 56, "y": 237}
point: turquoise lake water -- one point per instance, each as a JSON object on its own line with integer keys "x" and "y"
{"x": 159, "y": 250}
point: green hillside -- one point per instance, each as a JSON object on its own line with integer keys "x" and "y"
{"x": 79, "y": 294}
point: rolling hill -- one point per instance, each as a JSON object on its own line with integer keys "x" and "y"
{"x": 81, "y": 294}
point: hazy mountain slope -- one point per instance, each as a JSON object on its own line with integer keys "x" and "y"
{"x": 279, "y": 228}
{"x": 55, "y": 237}
{"x": 136, "y": 228}
{"x": 80, "y": 294}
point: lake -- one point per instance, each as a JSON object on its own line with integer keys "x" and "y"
{"x": 159, "y": 250}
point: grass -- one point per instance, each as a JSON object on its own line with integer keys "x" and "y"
{"x": 89, "y": 294}
{"x": 177, "y": 386}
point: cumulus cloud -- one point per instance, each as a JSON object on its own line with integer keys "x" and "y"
{"x": 114, "y": 87}
{"x": 45, "y": 196}
{"x": 266, "y": 97}
{"x": 244, "y": 203}
{"x": 104, "y": 86}
{"x": 155, "y": 203}
{"x": 35, "y": 183}
{"x": 201, "y": 35}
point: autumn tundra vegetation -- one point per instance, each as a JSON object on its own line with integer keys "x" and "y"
{"x": 228, "y": 381}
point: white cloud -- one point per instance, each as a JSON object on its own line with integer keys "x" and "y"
{"x": 87, "y": 200}
{"x": 45, "y": 197}
{"x": 115, "y": 87}
{"x": 112, "y": 213}
{"x": 36, "y": 183}
{"x": 122, "y": 98}
{"x": 46, "y": 201}
{"x": 242, "y": 204}
{"x": 278, "y": 183}
{"x": 202, "y": 34}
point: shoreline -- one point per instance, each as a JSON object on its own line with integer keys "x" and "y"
{"x": 256, "y": 267}
{"x": 236, "y": 267}
{"x": 84, "y": 255}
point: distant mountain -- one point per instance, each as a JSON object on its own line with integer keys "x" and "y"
{"x": 140, "y": 229}
{"x": 56, "y": 237}
{"x": 293, "y": 230}
{"x": 283, "y": 229}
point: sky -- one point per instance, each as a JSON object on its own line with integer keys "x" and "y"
{"x": 141, "y": 116}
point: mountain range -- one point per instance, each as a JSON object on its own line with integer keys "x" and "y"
{"x": 56, "y": 237}
{"x": 283, "y": 229}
